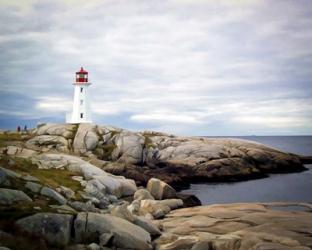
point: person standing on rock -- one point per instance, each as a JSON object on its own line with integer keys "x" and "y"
{"x": 25, "y": 128}
{"x": 18, "y": 129}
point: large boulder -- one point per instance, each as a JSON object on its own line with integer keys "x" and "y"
{"x": 65, "y": 130}
{"x": 116, "y": 185}
{"x": 129, "y": 148}
{"x": 50, "y": 142}
{"x": 19, "y": 151}
{"x": 90, "y": 226}
{"x": 10, "y": 196}
{"x": 54, "y": 228}
{"x": 86, "y": 138}
{"x": 69, "y": 162}
{"x": 160, "y": 190}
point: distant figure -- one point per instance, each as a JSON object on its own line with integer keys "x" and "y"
{"x": 25, "y": 128}
{"x": 18, "y": 129}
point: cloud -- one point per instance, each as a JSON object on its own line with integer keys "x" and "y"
{"x": 273, "y": 121}
{"x": 196, "y": 66}
{"x": 53, "y": 104}
{"x": 165, "y": 118}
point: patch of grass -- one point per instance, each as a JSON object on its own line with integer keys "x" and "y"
{"x": 9, "y": 138}
{"x": 114, "y": 132}
{"x": 148, "y": 143}
{"x": 107, "y": 151}
{"x": 74, "y": 130}
{"x": 49, "y": 177}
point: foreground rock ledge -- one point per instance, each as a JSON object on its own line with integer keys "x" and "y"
{"x": 173, "y": 159}
{"x": 238, "y": 226}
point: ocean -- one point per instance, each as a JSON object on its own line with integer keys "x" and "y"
{"x": 293, "y": 187}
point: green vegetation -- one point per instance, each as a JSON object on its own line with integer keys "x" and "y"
{"x": 75, "y": 129}
{"x": 50, "y": 177}
{"x": 114, "y": 132}
{"x": 148, "y": 143}
{"x": 8, "y": 138}
{"x": 107, "y": 151}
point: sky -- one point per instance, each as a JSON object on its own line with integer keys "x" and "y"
{"x": 204, "y": 67}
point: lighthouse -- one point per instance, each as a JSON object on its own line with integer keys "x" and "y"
{"x": 81, "y": 112}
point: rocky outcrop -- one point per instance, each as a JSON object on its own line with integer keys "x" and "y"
{"x": 54, "y": 228}
{"x": 95, "y": 209}
{"x": 56, "y": 142}
{"x": 98, "y": 181}
{"x": 19, "y": 151}
{"x": 129, "y": 148}
{"x": 238, "y": 226}
{"x": 65, "y": 130}
{"x": 173, "y": 159}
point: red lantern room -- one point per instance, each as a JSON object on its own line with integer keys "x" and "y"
{"x": 82, "y": 75}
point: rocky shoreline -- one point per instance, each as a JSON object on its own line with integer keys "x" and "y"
{"x": 176, "y": 160}
{"x": 95, "y": 187}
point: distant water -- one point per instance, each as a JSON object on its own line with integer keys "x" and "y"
{"x": 278, "y": 187}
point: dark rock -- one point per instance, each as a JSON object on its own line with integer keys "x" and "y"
{"x": 54, "y": 228}
{"x": 189, "y": 200}
{"x": 10, "y": 196}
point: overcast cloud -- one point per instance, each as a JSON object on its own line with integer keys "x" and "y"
{"x": 181, "y": 66}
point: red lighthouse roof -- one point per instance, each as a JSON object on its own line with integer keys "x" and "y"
{"x": 82, "y": 71}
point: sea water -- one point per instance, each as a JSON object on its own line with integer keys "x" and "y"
{"x": 293, "y": 187}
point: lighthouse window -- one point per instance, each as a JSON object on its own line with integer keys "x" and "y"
{"x": 81, "y": 102}
{"x": 81, "y": 89}
{"x": 81, "y": 115}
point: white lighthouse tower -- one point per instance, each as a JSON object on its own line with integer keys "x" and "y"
{"x": 81, "y": 112}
